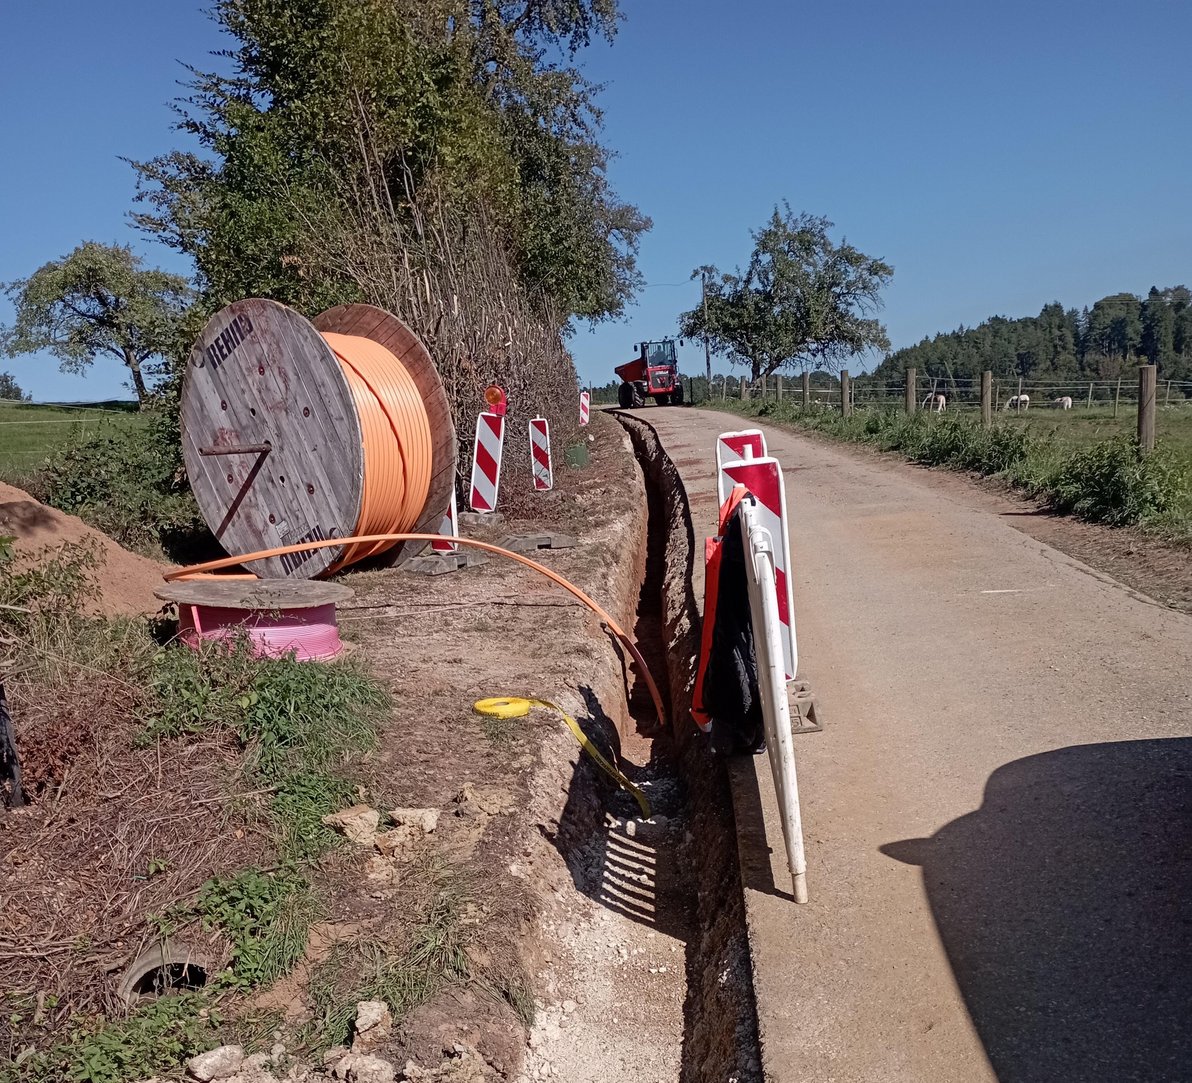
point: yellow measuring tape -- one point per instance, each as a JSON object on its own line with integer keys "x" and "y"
{"x": 519, "y": 707}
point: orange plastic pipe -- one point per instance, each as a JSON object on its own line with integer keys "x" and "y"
{"x": 196, "y": 570}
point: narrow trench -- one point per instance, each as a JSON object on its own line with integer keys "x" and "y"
{"x": 674, "y": 878}
{"x": 720, "y": 1040}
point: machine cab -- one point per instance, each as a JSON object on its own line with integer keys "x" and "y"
{"x": 661, "y": 364}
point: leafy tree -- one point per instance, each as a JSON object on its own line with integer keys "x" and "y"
{"x": 368, "y": 117}
{"x": 97, "y": 300}
{"x": 10, "y": 390}
{"x": 802, "y": 301}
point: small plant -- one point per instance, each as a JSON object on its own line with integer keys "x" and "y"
{"x": 51, "y": 584}
{"x": 296, "y": 722}
{"x": 154, "y": 1038}
{"x": 265, "y": 916}
{"x": 403, "y": 977}
{"x": 1112, "y": 482}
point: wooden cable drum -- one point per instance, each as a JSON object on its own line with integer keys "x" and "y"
{"x": 295, "y": 431}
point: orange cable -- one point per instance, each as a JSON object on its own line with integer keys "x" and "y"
{"x": 196, "y": 570}
{"x": 397, "y": 443}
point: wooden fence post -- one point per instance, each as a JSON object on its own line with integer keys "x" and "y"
{"x": 1146, "y": 408}
{"x": 778, "y": 387}
{"x": 806, "y": 390}
{"x": 1089, "y": 405}
{"x": 987, "y": 398}
{"x": 1117, "y": 395}
{"x": 909, "y": 400}
{"x": 846, "y": 405}
{"x": 1018, "y": 401}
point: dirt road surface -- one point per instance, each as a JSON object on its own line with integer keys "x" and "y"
{"x": 997, "y": 813}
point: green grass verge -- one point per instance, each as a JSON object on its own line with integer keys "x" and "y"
{"x": 1102, "y": 480}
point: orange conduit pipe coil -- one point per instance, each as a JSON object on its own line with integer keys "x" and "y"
{"x": 379, "y": 542}
{"x": 397, "y": 445}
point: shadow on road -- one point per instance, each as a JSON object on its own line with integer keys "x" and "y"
{"x": 1065, "y": 906}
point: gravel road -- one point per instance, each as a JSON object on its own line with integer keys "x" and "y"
{"x": 998, "y": 810}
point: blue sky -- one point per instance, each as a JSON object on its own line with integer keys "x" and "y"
{"x": 999, "y": 156}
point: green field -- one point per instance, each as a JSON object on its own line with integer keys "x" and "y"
{"x": 1079, "y": 428}
{"x": 29, "y": 432}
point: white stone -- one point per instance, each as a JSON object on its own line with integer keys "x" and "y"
{"x": 425, "y": 818}
{"x": 218, "y": 1063}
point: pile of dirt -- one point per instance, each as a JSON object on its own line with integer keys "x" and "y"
{"x": 126, "y": 581}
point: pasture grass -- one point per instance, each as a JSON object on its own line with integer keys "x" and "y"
{"x": 1085, "y": 466}
{"x": 31, "y": 432}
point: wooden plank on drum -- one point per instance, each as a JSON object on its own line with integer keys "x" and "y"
{"x": 262, "y": 594}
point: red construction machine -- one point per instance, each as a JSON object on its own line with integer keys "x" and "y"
{"x": 654, "y": 373}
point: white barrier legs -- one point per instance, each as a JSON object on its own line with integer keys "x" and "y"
{"x": 767, "y": 637}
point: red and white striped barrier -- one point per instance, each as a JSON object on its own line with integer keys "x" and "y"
{"x": 763, "y": 479}
{"x": 585, "y": 406}
{"x": 761, "y": 578}
{"x": 447, "y": 529}
{"x": 732, "y": 447}
{"x": 486, "y": 461}
{"x": 540, "y": 464}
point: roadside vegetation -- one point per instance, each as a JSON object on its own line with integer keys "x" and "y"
{"x": 1106, "y": 481}
{"x": 224, "y": 765}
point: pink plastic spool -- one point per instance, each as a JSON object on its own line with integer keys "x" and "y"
{"x": 278, "y": 617}
{"x": 311, "y": 635}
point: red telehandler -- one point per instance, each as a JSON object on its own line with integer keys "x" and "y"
{"x": 654, "y": 373}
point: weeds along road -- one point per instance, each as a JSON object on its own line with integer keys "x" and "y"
{"x": 999, "y": 808}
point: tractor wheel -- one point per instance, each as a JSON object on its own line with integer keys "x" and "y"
{"x": 625, "y": 396}
{"x": 639, "y": 399}
{"x": 662, "y": 400}
{"x": 677, "y": 397}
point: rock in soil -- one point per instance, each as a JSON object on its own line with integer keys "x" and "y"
{"x": 373, "y": 1025}
{"x": 219, "y": 1063}
{"x": 357, "y": 824}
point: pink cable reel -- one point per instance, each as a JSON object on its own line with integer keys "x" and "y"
{"x": 277, "y": 617}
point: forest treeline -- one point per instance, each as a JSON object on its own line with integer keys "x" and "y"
{"x": 1098, "y": 343}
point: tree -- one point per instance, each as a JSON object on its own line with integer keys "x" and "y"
{"x": 97, "y": 300}
{"x": 802, "y": 301}
{"x": 10, "y": 390}
{"x": 426, "y": 117}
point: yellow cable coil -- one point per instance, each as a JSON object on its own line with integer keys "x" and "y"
{"x": 519, "y": 707}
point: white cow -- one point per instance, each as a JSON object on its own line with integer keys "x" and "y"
{"x": 1062, "y": 403}
{"x": 935, "y": 403}
{"x": 1019, "y": 402}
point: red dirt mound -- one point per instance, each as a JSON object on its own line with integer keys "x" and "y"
{"x": 126, "y": 580}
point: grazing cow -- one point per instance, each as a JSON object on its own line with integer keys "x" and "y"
{"x": 1019, "y": 402}
{"x": 1062, "y": 403}
{"x": 935, "y": 403}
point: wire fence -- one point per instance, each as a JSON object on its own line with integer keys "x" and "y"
{"x": 30, "y": 431}
{"x": 964, "y": 393}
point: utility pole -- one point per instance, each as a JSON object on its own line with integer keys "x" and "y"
{"x": 703, "y": 289}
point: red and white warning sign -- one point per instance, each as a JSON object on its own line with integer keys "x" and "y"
{"x": 763, "y": 479}
{"x": 585, "y": 406}
{"x": 447, "y": 529}
{"x": 540, "y": 464}
{"x": 732, "y": 447}
{"x": 486, "y": 461}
